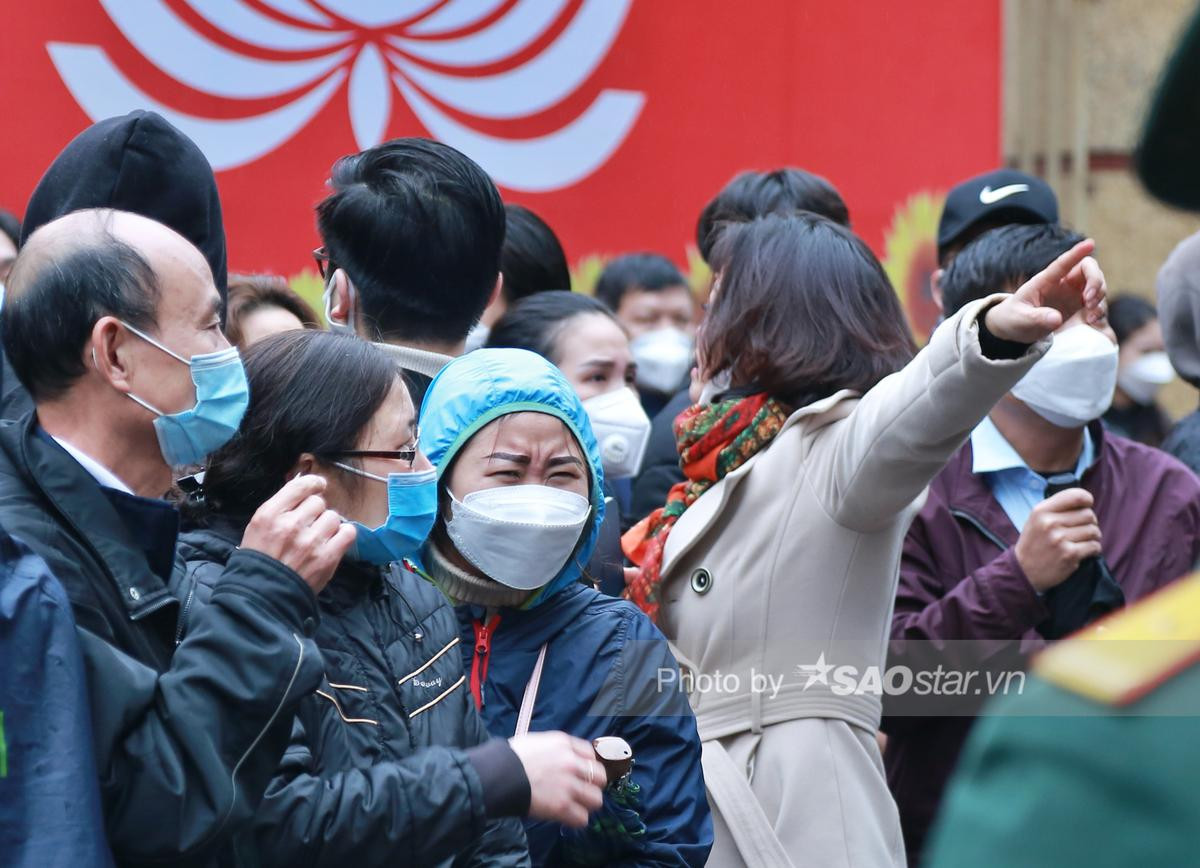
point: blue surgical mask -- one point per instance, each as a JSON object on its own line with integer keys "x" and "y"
{"x": 412, "y": 508}
{"x": 222, "y": 395}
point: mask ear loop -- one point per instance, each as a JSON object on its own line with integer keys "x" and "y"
{"x": 357, "y": 472}
{"x": 351, "y": 299}
{"x": 130, "y": 395}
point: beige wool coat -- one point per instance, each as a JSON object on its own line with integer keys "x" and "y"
{"x": 777, "y": 594}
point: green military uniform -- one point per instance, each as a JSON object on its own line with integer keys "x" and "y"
{"x": 1097, "y": 762}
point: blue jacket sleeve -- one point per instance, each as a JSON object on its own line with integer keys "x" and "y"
{"x": 49, "y": 791}
{"x": 661, "y": 816}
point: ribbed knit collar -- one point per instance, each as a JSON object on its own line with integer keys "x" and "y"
{"x": 463, "y": 587}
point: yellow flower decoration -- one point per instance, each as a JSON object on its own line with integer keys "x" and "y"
{"x": 910, "y": 257}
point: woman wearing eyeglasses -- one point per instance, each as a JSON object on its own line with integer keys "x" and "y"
{"x": 389, "y": 763}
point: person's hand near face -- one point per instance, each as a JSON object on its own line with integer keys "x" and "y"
{"x": 1071, "y": 286}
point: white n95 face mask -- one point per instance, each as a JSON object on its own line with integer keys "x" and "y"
{"x": 518, "y": 535}
{"x": 664, "y": 357}
{"x": 1142, "y": 378}
{"x": 1073, "y": 383}
{"x": 622, "y": 429}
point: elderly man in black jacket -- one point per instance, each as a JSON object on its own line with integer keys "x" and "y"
{"x": 106, "y": 316}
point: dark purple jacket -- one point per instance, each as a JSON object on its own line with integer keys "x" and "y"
{"x": 960, "y": 580}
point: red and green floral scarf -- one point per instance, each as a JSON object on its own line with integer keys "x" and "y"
{"x": 713, "y": 439}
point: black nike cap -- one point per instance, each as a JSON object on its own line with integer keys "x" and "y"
{"x": 995, "y": 198}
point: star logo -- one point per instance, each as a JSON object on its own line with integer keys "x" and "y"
{"x": 817, "y": 672}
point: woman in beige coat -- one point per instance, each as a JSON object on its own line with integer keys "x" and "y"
{"x": 773, "y": 568}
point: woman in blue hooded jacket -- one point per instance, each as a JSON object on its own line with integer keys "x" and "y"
{"x": 521, "y": 502}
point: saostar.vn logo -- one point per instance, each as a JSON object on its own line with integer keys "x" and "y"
{"x": 900, "y": 680}
{"x": 429, "y": 52}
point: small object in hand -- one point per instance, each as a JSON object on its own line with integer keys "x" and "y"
{"x": 615, "y": 755}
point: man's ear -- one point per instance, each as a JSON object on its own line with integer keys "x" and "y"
{"x": 110, "y": 353}
{"x": 497, "y": 289}
{"x": 496, "y": 305}
{"x": 935, "y": 288}
{"x": 340, "y": 302}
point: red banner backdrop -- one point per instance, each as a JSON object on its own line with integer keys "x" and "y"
{"x": 614, "y": 119}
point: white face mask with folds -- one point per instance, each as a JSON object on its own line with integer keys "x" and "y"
{"x": 1073, "y": 383}
{"x": 664, "y": 357}
{"x": 622, "y": 430}
{"x": 1142, "y": 378}
{"x": 519, "y": 535}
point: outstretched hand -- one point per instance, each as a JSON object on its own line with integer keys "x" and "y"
{"x": 1051, "y": 297}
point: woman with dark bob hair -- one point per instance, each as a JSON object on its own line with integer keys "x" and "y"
{"x": 389, "y": 761}
{"x": 773, "y": 566}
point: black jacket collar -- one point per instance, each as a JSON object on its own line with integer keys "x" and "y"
{"x": 80, "y": 503}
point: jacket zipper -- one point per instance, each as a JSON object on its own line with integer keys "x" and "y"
{"x": 479, "y": 663}
{"x": 979, "y": 526}
{"x": 187, "y": 605}
{"x": 241, "y": 761}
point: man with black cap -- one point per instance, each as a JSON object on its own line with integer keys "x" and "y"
{"x": 1041, "y": 523}
{"x": 984, "y": 202}
{"x": 1095, "y": 763}
{"x": 138, "y": 163}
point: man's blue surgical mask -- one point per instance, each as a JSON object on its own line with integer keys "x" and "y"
{"x": 412, "y": 509}
{"x": 222, "y": 396}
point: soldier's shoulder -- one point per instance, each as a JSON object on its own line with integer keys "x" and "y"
{"x": 1127, "y": 656}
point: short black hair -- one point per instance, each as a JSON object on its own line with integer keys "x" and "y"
{"x": 52, "y": 304}
{"x": 1000, "y": 260}
{"x": 648, "y": 271}
{"x": 756, "y": 194}
{"x": 298, "y": 403}
{"x": 418, "y": 227}
{"x": 532, "y": 260}
{"x": 1128, "y": 313}
{"x": 534, "y": 323}
{"x": 10, "y": 226}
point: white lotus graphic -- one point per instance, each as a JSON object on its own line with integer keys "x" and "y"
{"x": 441, "y": 55}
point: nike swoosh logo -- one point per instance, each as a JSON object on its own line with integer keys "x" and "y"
{"x": 988, "y": 196}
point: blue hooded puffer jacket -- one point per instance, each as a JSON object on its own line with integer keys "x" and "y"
{"x": 608, "y": 670}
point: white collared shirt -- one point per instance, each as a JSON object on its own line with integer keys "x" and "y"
{"x": 98, "y": 471}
